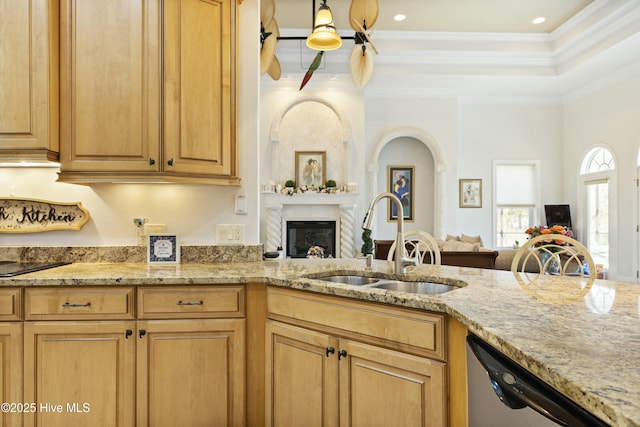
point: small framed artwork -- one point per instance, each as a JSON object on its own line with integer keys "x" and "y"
{"x": 310, "y": 168}
{"x": 470, "y": 193}
{"x": 163, "y": 249}
{"x": 400, "y": 183}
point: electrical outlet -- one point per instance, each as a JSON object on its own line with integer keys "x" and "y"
{"x": 154, "y": 228}
{"x": 230, "y": 234}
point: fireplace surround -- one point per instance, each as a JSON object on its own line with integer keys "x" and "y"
{"x": 339, "y": 208}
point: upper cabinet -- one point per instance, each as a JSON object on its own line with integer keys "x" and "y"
{"x": 148, "y": 91}
{"x": 29, "y": 80}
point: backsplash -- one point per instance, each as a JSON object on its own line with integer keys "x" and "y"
{"x": 194, "y": 254}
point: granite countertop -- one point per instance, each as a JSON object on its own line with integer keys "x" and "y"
{"x": 581, "y": 337}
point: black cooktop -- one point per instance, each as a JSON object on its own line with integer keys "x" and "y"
{"x": 13, "y": 268}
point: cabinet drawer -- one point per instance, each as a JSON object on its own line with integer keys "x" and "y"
{"x": 78, "y": 303}
{"x": 190, "y": 302}
{"x": 10, "y": 304}
{"x": 407, "y": 330}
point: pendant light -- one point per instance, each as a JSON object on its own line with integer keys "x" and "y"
{"x": 324, "y": 36}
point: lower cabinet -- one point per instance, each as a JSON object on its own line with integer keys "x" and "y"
{"x": 321, "y": 375}
{"x": 79, "y": 373}
{"x": 175, "y": 365}
{"x": 190, "y": 373}
{"x": 11, "y": 374}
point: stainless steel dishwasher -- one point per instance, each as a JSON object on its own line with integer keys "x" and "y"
{"x": 502, "y": 394}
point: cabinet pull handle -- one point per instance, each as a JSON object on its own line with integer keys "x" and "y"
{"x": 68, "y": 304}
{"x": 330, "y": 350}
{"x": 341, "y": 354}
{"x": 152, "y": 161}
{"x": 142, "y": 333}
{"x": 128, "y": 333}
{"x": 170, "y": 162}
{"x": 190, "y": 302}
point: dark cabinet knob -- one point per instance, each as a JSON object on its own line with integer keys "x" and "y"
{"x": 341, "y": 354}
{"x": 152, "y": 161}
{"x": 170, "y": 162}
{"x": 330, "y": 350}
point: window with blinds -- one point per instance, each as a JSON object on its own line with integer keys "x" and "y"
{"x": 516, "y": 199}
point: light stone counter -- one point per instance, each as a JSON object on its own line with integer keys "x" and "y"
{"x": 583, "y": 339}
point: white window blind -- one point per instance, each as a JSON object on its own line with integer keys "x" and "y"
{"x": 515, "y": 185}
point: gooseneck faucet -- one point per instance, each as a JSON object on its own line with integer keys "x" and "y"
{"x": 402, "y": 257}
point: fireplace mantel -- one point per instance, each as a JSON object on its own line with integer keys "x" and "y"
{"x": 341, "y": 204}
{"x": 345, "y": 199}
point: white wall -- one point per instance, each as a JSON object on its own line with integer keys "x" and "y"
{"x": 507, "y": 132}
{"x": 190, "y": 210}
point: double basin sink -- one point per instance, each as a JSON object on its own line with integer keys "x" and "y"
{"x": 429, "y": 288}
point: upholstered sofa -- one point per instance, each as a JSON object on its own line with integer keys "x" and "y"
{"x": 462, "y": 251}
{"x": 480, "y": 258}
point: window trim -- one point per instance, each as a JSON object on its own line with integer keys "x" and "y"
{"x": 609, "y": 176}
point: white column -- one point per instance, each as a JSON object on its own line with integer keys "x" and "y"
{"x": 347, "y": 232}
{"x": 274, "y": 228}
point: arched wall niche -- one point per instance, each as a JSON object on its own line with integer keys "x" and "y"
{"x": 310, "y": 124}
{"x": 432, "y": 145}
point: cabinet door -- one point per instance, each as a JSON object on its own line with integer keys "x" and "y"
{"x": 79, "y": 373}
{"x": 190, "y": 373}
{"x": 380, "y": 387}
{"x": 29, "y": 79}
{"x": 110, "y": 86}
{"x": 302, "y": 377}
{"x": 200, "y": 87}
{"x": 11, "y": 373}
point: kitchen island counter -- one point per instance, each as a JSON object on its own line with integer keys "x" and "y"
{"x": 581, "y": 337}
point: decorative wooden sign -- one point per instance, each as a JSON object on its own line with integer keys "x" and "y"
{"x": 33, "y": 215}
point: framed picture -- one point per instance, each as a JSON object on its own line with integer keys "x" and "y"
{"x": 400, "y": 183}
{"x": 310, "y": 168}
{"x": 470, "y": 193}
{"x": 163, "y": 249}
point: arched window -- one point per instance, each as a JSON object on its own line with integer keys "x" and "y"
{"x": 597, "y": 174}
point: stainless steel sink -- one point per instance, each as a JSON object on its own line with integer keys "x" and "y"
{"x": 350, "y": 280}
{"x": 430, "y": 288}
{"x": 414, "y": 287}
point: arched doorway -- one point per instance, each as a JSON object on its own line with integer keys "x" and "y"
{"x": 415, "y": 147}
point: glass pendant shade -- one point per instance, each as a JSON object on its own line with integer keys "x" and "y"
{"x": 324, "y": 36}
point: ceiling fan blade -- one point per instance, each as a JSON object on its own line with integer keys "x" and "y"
{"x": 267, "y": 11}
{"x": 365, "y": 11}
{"x": 361, "y": 66}
{"x": 267, "y": 51}
{"x": 361, "y": 29}
{"x": 275, "y": 71}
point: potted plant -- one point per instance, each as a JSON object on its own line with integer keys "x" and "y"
{"x": 290, "y": 184}
{"x": 367, "y": 243}
{"x": 331, "y": 183}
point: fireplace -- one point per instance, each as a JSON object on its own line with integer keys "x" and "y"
{"x": 301, "y": 235}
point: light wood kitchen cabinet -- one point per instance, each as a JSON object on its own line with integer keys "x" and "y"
{"x": 29, "y": 80}
{"x": 331, "y": 362}
{"x": 79, "y": 356}
{"x": 11, "y": 356}
{"x": 148, "y": 91}
{"x": 179, "y": 361}
{"x": 191, "y": 372}
{"x": 79, "y": 373}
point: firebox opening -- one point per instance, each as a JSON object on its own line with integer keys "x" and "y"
{"x": 301, "y": 235}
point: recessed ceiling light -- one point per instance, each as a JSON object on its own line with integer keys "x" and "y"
{"x": 399, "y": 17}
{"x": 539, "y": 20}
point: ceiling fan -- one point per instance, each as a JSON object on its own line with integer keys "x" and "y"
{"x": 363, "y": 15}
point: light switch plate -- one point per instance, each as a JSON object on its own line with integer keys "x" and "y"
{"x": 230, "y": 234}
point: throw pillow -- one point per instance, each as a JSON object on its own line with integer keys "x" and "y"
{"x": 456, "y": 246}
{"x": 471, "y": 239}
{"x": 450, "y": 237}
